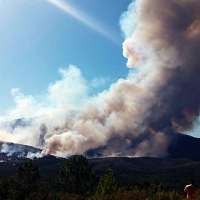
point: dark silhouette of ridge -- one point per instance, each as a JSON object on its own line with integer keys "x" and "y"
{"x": 184, "y": 146}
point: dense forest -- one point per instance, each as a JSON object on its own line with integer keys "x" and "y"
{"x": 79, "y": 179}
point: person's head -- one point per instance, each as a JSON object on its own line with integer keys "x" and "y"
{"x": 192, "y": 182}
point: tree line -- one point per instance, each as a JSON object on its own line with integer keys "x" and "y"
{"x": 78, "y": 181}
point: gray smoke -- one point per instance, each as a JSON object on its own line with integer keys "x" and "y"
{"x": 43, "y": 132}
{"x": 165, "y": 45}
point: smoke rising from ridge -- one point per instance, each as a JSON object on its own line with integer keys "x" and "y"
{"x": 162, "y": 39}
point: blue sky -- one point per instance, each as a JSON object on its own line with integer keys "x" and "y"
{"x": 37, "y": 38}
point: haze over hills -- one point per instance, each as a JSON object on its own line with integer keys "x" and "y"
{"x": 10, "y": 149}
{"x": 180, "y": 146}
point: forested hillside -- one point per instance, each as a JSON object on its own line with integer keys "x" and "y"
{"x": 163, "y": 177}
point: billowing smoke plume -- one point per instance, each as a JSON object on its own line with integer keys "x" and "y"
{"x": 164, "y": 45}
{"x": 133, "y": 117}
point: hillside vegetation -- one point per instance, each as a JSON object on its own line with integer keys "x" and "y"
{"x": 114, "y": 178}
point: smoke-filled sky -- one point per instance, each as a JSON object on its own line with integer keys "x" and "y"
{"x": 109, "y": 76}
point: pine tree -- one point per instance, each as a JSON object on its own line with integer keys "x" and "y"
{"x": 28, "y": 178}
{"x": 107, "y": 184}
{"x": 76, "y": 176}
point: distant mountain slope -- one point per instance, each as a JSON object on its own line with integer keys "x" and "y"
{"x": 184, "y": 146}
{"x": 180, "y": 146}
{"x": 19, "y": 150}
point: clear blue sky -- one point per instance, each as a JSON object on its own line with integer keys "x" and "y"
{"x": 37, "y": 38}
